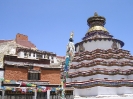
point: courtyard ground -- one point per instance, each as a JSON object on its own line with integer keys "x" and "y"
{"x": 107, "y": 97}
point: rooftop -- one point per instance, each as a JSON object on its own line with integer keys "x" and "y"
{"x": 22, "y": 40}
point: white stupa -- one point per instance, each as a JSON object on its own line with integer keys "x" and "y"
{"x": 100, "y": 66}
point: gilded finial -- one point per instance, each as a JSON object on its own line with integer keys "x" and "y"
{"x": 71, "y": 36}
{"x": 95, "y": 14}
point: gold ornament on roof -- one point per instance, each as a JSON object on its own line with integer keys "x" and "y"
{"x": 97, "y": 28}
{"x": 95, "y": 14}
{"x": 71, "y": 36}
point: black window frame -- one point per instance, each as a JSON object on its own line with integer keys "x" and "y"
{"x": 33, "y": 76}
{"x": 39, "y": 56}
{"x": 34, "y": 54}
{"x": 29, "y": 53}
{"x": 25, "y": 53}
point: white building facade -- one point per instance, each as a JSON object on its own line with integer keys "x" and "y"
{"x": 25, "y": 49}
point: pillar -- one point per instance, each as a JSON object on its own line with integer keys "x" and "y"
{"x": 35, "y": 95}
{"x": 3, "y": 94}
{"x": 48, "y": 94}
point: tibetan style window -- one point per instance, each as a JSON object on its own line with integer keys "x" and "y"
{"x": 29, "y": 54}
{"x": 33, "y": 54}
{"x": 33, "y": 76}
{"x": 30, "y": 67}
{"x": 39, "y": 56}
{"x": 52, "y": 57}
{"x": 25, "y": 53}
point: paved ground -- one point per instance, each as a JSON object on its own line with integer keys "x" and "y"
{"x": 107, "y": 97}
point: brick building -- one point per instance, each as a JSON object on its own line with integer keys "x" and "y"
{"x": 23, "y": 63}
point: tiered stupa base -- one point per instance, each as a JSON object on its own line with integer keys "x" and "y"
{"x": 107, "y": 97}
{"x": 100, "y": 67}
{"x": 103, "y": 91}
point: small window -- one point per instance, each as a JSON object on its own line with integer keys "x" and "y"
{"x": 33, "y": 76}
{"x": 29, "y": 54}
{"x": 39, "y": 56}
{"x": 52, "y": 61}
{"x": 25, "y": 53}
{"x": 30, "y": 67}
{"x": 33, "y": 54}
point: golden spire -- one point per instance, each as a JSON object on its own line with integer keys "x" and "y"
{"x": 96, "y": 23}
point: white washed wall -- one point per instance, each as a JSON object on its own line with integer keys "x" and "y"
{"x": 81, "y": 78}
{"x": 100, "y": 76}
{"x": 55, "y": 60}
{"x": 2, "y": 52}
{"x": 6, "y": 48}
{"x": 86, "y": 92}
{"x": 114, "y": 90}
{"x": 1, "y": 74}
{"x": 32, "y": 56}
{"x": 89, "y": 46}
{"x": 99, "y": 90}
{"x": 21, "y": 54}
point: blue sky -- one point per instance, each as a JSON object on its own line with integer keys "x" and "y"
{"x": 48, "y": 23}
